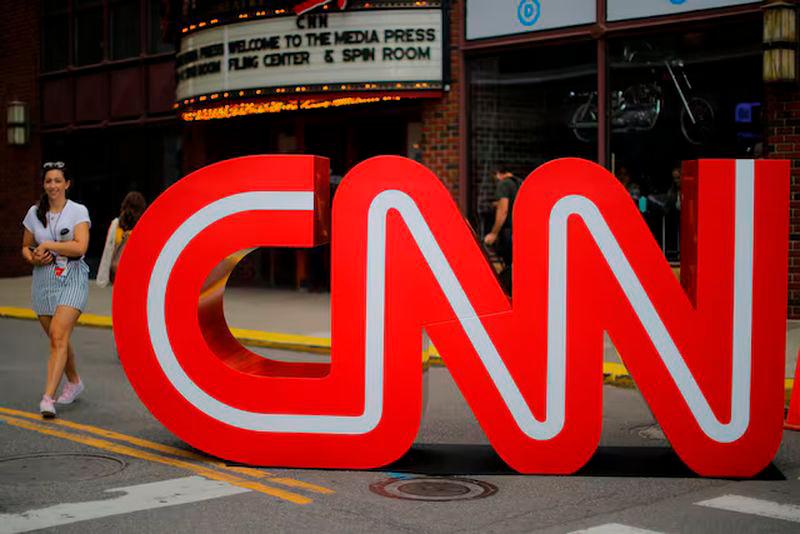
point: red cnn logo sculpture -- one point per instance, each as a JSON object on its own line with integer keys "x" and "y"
{"x": 709, "y": 360}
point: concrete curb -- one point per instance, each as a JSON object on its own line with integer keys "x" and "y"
{"x": 613, "y": 373}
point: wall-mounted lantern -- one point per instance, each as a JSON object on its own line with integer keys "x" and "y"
{"x": 780, "y": 41}
{"x": 17, "y": 123}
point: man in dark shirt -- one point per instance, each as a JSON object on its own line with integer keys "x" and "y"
{"x": 500, "y": 235}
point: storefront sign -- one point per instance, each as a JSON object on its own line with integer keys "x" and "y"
{"x": 634, "y": 9}
{"x": 493, "y": 18}
{"x": 709, "y": 360}
{"x": 313, "y": 53}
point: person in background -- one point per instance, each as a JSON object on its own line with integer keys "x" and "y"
{"x": 633, "y": 188}
{"x": 672, "y": 218}
{"x": 500, "y": 236}
{"x": 133, "y": 206}
{"x": 674, "y": 191}
{"x": 54, "y": 241}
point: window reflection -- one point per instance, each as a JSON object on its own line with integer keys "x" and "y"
{"x": 103, "y": 30}
{"x": 55, "y": 35}
{"x": 523, "y": 109}
{"x": 88, "y": 32}
{"x": 158, "y": 38}
{"x": 124, "y": 24}
{"x": 677, "y": 97}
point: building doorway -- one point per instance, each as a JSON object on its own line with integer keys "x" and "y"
{"x": 346, "y": 141}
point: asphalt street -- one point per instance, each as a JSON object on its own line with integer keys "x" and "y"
{"x": 107, "y": 465}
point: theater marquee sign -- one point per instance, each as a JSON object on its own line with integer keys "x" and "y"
{"x": 337, "y": 52}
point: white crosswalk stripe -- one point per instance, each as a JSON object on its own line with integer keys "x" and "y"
{"x": 135, "y": 498}
{"x": 759, "y": 507}
{"x": 614, "y": 528}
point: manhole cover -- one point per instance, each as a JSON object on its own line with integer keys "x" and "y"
{"x": 433, "y": 489}
{"x": 653, "y": 432}
{"x": 47, "y": 468}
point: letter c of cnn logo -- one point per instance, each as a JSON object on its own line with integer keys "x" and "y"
{"x": 707, "y": 355}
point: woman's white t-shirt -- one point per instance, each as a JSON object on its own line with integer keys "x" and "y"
{"x": 60, "y": 226}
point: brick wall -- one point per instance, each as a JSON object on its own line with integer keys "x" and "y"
{"x": 19, "y": 166}
{"x": 440, "y": 140}
{"x": 506, "y": 132}
{"x": 783, "y": 138}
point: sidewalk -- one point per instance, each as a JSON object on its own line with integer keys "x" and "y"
{"x": 288, "y": 312}
{"x": 272, "y": 310}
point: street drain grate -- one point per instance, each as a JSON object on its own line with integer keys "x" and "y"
{"x": 47, "y": 468}
{"x": 433, "y": 489}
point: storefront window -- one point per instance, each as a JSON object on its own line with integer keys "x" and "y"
{"x": 111, "y": 162}
{"x": 124, "y": 23}
{"x": 88, "y": 32}
{"x": 55, "y": 36}
{"x": 526, "y": 108}
{"x": 156, "y": 39}
{"x": 681, "y": 96}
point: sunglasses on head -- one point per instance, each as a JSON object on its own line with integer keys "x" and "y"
{"x": 54, "y": 165}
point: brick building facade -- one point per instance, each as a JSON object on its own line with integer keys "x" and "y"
{"x": 783, "y": 138}
{"x": 98, "y": 83}
{"x": 19, "y": 171}
{"x": 474, "y": 125}
{"x": 440, "y": 119}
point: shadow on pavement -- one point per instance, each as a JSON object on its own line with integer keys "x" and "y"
{"x": 476, "y": 460}
{"x": 450, "y": 459}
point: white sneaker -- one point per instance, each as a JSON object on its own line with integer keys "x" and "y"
{"x": 70, "y": 392}
{"x": 46, "y": 407}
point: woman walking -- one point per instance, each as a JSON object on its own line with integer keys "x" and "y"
{"x": 133, "y": 206}
{"x": 55, "y": 239}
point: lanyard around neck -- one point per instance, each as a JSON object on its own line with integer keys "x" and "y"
{"x": 54, "y": 224}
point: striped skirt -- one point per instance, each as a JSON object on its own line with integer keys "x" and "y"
{"x": 49, "y": 291}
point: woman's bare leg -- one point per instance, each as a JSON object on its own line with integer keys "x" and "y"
{"x": 69, "y": 369}
{"x": 61, "y": 327}
{"x": 45, "y": 320}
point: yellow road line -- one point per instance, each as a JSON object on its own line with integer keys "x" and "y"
{"x": 283, "y": 481}
{"x": 291, "y": 482}
{"x": 299, "y": 484}
{"x": 143, "y": 455}
{"x": 133, "y": 440}
{"x": 110, "y": 434}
